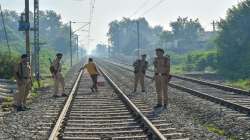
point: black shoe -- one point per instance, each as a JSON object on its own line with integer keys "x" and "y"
{"x": 143, "y": 91}
{"x": 20, "y": 109}
{"x": 26, "y": 108}
{"x": 165, "y": 106}
{"x": 92, "y": 89}
{"x": 55, "y": 96}
{"x": 157, "y": 106}
{"x": 64, "y": 95}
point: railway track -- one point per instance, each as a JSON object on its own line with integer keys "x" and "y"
{"x": 109, "y": 114}
{"x": 236, "y": 99}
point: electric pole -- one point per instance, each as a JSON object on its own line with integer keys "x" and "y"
{"x": 27, "y": 30}
{"x": 214, "y": 26}
{"x": 77, "y": 46}
{"x": 70, "y": 42}
{"x": 36, "y": 40}
{"x": 138, "y": 38}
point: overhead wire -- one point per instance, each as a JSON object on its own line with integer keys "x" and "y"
{"x": 153, "y": 7}
{"x": 139, "y": 8}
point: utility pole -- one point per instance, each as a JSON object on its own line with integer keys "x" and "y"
{"x": 77, "y": 47}
{"x": 36, "y": 41}
{"x": 138, "y": 38}
{"x": 27, "y": 31}
{"x": 70, "y": 40}
{"x": 109, "y": 45}
{"x": 214, "y": 26}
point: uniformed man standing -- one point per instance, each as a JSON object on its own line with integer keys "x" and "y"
{"x": 162, "y": 77}
{"x": 140, "y": 67}
{"x": 57, "y": 75}
{"x": 23, "y": 78}
{"x": 93, "y": 72}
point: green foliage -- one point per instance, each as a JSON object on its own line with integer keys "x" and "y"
{"x": 242, "y": 84}
{"x": 7, "y": 63}
{"x": 234, "y": 43}
{"x": 124, "y": 39}
{"x": 186, "y": 29}
{"x": 201, "y": 60}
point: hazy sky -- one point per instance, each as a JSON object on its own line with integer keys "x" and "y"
{"x": 108, "y": 10}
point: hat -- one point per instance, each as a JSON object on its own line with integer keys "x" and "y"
{"x": 24, "y": 56}
{"x": 144, "y": 55}
{"x": 59, "y": 54}
{"x": 159, "y": 49}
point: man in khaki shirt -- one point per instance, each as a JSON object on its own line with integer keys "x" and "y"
{"x": 162, "y": 77}
{"x": 22, "y": 74}
{"x": 57, "y": 75}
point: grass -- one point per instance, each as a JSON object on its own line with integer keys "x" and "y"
{"x": 242, "y": 84}
{"x": 214, "y": 129}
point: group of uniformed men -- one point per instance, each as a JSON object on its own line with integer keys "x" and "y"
{"x": 161, "y": 68}
{"x": 161, "y": 75}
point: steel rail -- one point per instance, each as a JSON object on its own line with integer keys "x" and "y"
{"x": 56, "y": 129}
{"x": 152, "y": 129}
{"x": 211, "y": 98}
{"x": 215, "y": 85}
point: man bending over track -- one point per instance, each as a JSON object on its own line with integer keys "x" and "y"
{"x": 93, "y": 72}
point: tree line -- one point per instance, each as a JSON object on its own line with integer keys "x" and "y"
{"x": 54, "y": 37}
{"x": 225, "y": 51}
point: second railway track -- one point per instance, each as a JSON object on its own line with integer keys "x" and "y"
{"x": 233, "y": 98}
{"x": 109, "y": 115}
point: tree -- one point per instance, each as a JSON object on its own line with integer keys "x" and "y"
{"x": 234, "y": 43}
{"x": 187, "y": 29}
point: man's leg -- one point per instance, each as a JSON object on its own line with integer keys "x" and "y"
{"x": 95, "y": 82}
{"x": 18, "y": 97}
{"x": 27, "y": 89}
{"x": 136, "y": 81}
{"x": 56, "y": 87}
{"x": 165, "y": 90}
{"x": 142, "y": 82}
{"x": 62, "y": 82}
{"x": 158, "y": 90}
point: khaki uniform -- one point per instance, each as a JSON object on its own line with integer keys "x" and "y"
{"x": 23, "y": 77}
{"x": 140, "y": 70}
{"x": 58, "y": 77}
{"x": 162, "y": 73}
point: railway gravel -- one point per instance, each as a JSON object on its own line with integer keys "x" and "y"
{"x": 190, "y": 112}
{"x": 36, "y": 122}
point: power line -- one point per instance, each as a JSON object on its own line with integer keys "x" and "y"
{"x": 141, "y": 7}
{"x": 154, "y": 6}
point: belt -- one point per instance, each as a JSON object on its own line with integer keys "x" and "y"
{"x": 161, "y": 74}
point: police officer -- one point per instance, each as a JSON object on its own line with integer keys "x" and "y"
{"x": 57, "y": 75}
{"x": 22, "y": 74}
{"x": 162, "y": 77}
{"x": 140, "y": 67}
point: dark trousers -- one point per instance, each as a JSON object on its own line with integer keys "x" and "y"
{"x": 94, "y": 80}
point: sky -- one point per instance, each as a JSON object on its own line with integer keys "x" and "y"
{"x": 106, "y": 11}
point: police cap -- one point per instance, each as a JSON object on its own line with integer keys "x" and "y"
{"x": 59, "y": 54}
{"x": 24, "y": 56}
{"x": 160, "y": 50}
